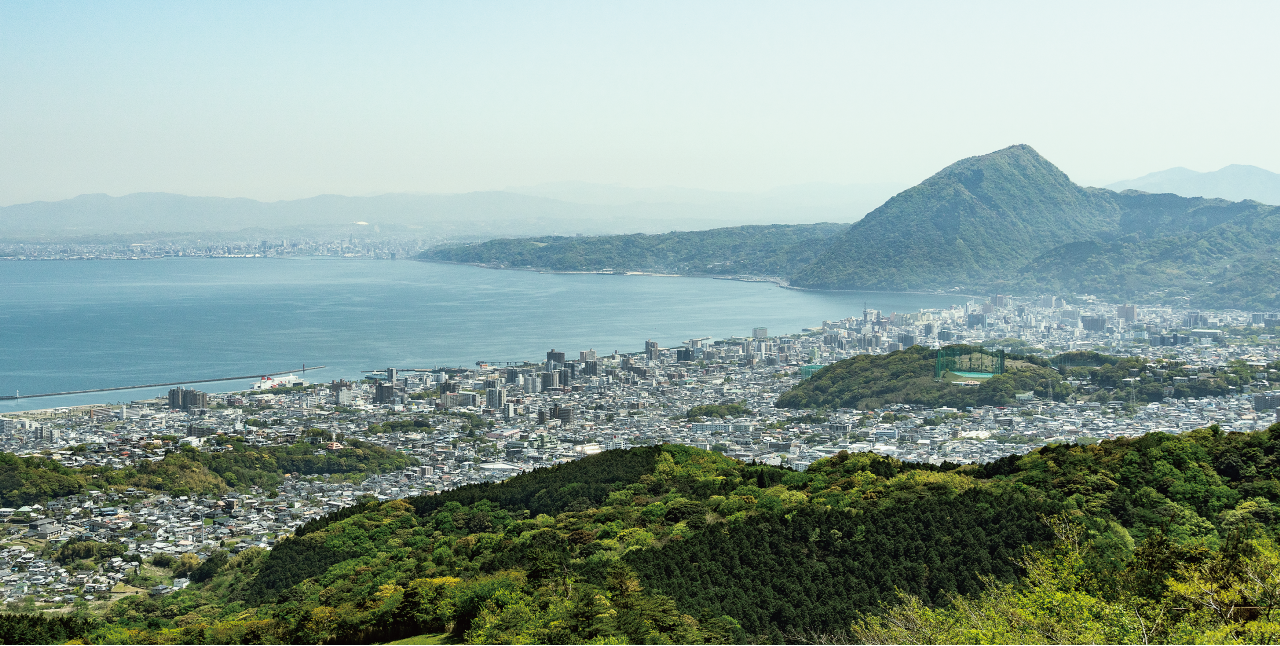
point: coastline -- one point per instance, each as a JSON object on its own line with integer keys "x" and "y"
{"x": 254, "y": 315}
{"x": 781, "y": 282}
{"x": 745, "y": 278}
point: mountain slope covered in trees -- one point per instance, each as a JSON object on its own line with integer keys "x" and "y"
{"x": 1155, "y": 539}
{"x": 1012, "y": 221}
{"x": 973, "y": 221}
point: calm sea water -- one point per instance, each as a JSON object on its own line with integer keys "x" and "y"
{"x": 74, "y": 325}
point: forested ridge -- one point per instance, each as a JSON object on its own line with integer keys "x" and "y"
{"x": 1163, "y": 538}
{"x": 758, "y": 250}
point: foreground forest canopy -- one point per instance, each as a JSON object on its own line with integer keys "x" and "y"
{"x": 1158, "y": 539}
{"x": 907, "y": 377}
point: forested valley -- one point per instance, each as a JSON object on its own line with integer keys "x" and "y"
{"x": 1162, "y": 538}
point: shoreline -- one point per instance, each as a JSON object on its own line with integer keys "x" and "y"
{"x": 779, "y": 281}
{"x": 745, "y": 278}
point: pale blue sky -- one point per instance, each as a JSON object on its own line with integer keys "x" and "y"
{"x": 283, "y": 100}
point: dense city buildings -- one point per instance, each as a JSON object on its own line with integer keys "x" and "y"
{"x": 215, "y": 245}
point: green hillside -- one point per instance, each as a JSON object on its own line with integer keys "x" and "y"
{"x": 771, "y": 250}
{"x": 907, "y": 377}
{"x": 1222, "y": 254}
{"x": 1159, "y": 539}
{"x": 186, "y": 471}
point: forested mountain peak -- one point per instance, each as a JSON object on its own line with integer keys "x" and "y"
{"x": 1004, "y": 221}
{"x": 973, "y": 220}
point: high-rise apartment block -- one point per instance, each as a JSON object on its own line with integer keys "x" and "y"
{"x": 388, "y": 393}
{"x": 495, "y": 398}
{"x": 183, "y": 399}
{"x": 1127, "y": 313}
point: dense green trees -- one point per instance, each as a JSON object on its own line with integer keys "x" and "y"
{"x": 1221, "y": 597}
{"x": 819, "y": 569}
{"x": 907, "y": 377}
{"x": 579, "y": 484}
{"x": 44, "y": 629}
{"x": 718, "y": 410}
{"x": 26, "y": 481}
{"x": 30, "y": 480}
{"x": 78, "y": 550}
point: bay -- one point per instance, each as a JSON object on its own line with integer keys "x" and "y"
{"x": 75, "y": 325}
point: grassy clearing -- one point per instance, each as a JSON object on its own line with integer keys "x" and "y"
{"x": 429, "y": 638}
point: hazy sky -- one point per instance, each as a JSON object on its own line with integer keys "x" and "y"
{"x": 277, "y": 100}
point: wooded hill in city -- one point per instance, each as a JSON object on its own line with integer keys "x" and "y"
{"x": 1006, "y": 222}
{"x": 187, "y": 471}
{"x": 870, "y": 381}
{"x": 1156, "y": 539}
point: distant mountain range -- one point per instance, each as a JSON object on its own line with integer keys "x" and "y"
{"x": 465, "y": 216}
{"x": 846, "y": 199}
{"x": 1234, "y": 182}
{"x": 550, "y": 209}
{"x": 1007, "y": 222}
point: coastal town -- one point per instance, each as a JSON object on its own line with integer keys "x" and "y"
{"x": 217, "y": 246}
{"x": 452, "y": 427}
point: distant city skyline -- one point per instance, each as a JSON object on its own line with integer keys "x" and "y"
{"x": 292, "y": 100}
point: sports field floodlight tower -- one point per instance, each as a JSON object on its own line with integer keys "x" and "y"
{"x": 968, "y": 361}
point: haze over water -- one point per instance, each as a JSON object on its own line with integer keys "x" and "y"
{"x": 74, "y": 325}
